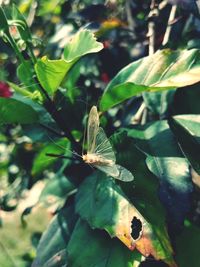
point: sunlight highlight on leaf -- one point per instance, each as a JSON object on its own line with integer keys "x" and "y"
{"x": 166, "y": 69}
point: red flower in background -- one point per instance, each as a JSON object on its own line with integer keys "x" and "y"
{"x": 105, "y": 78}
{"x": 5, "y": 90}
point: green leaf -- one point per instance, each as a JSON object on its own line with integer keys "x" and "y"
{"x": 42, "y": 161}
{"x": 51, "y": 250}
{"x": 3, "y": 21}
{"x": 89, "y": 248}
{"x": 187, "y": 246}
{"x": 83, "y": 43}
{"x": 168, "y": 164}
{"x": 50, "y": 73}
{"x": 159, "y": 103}
{"x": 187, "y": 131}
{"x": 58, "y": 187}
{"x": 14, "y": 111}
{"x": 111, "y": 210}
{"x": 165, "y": 69}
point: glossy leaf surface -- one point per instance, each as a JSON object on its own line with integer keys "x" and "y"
{"x": 165, "y": 69}
{"x": 165, "y": 160}
{"x": 89, "y": 247}
{"x": 50, "y": 73}
{"x": 111, "y": 210}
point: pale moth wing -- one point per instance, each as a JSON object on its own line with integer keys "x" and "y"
{"x": 100, "y": 147}
{"x": 103, "y": 146}
{"x": 92, "y": 129}
{"x": 111, "y": 170}
{"x": 124, "y": 174}
{"x": 104, "y": 150}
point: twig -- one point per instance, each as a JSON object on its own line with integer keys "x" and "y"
{"x": 31, "y": 14}
{"x": 144, "y": 116}
{"x": 151, "y": 26}
{"x": 57, "y": 116}
{"x": 162, "y": 4}
{"x": 138, "y": 115}
{"x": 131, "y": 21}
{"x": 169, "y": 25}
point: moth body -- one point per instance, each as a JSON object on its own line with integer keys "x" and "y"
{"x": 92, "y": 158}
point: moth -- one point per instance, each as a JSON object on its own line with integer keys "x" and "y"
{"x": 99, "y": 150}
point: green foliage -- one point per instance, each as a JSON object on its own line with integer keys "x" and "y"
{"x": 163, "y": 70}
{"x": 99, "y": 249}
{"x": 58, "y": 187}
{"x": 51, "y": 73}
{"x": 25, "y": 113}
{"x": 149, "y": 108}
{"x": 43, "y": 161}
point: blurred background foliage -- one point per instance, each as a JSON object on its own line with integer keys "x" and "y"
{"x": 27, "y": 174}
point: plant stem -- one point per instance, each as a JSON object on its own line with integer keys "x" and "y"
{"x": 151, "y": 26}
{"x": 48, "y": 102}
{"x": 169, "y": 26}
{"x": 138, "y": 115}
{"x": 33, "y": 58}
{"x": 15, "y": 48}
{"x": 162, "y": 4}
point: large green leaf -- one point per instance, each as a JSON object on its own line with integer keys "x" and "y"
{"x": 111, "y": 210}
{"x": 51, "y": 250}
{"x": 187, "y": 131}
{"x": 51, "y": 72}
{"x": 14, "y": 111}
{"x": 142, "y": 192}
{"x": 165, "y": 69}
{"x": 88, "y": 248}
{"x": 42, "y": 161}
{"x": 83, "y": 43}
{"x": 165, "y": 160}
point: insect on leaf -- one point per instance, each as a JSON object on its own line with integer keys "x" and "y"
{"x": 100, "y": 153}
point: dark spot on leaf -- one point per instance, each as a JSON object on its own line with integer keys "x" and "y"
{"x": 136, "y": 228}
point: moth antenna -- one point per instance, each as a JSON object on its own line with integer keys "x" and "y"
{"x": 75, "y": 153}
{"x": 58, "y": 156}
{"x": 64, "y": 148}
{"x": 27, "y": 86}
